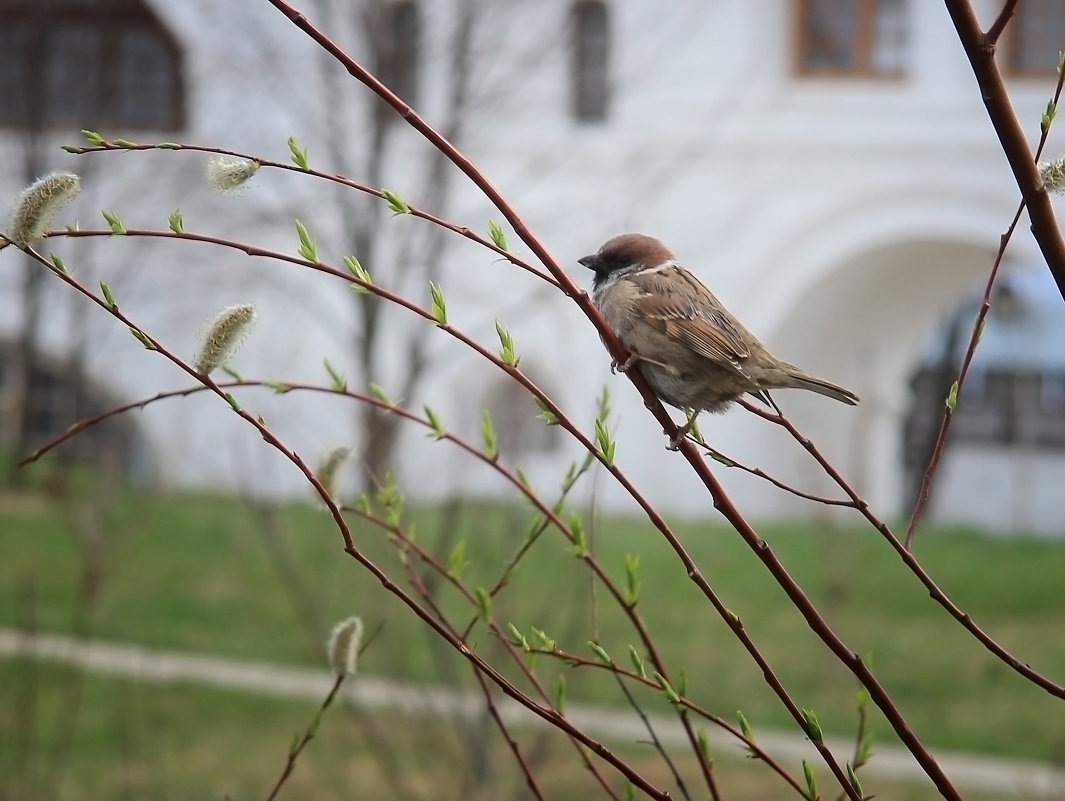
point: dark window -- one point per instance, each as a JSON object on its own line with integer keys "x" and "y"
{"x": 394, "y": 28}
{"x": 852, "y": 38}
{"x": 1004, "y": 408}
{"x": 591, "y": 60}
{"x": 100, "y": 64}
{"x": 1036, "y": 35}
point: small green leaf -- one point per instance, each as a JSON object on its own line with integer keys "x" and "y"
{"x": 232, "y": 401}
{"x": 720, "y": 458}
{"x": 506, "y": 341}
{"x": 109, "y": 299}
{"x": 395, "y": 202}
{"x": 58, "y": 264}
{"x": 704, "y": 744}
{"x": 745, "y": 726}
{"x": 495, "y": 230}
{"x": 682, "y": 682}
{"x": 73, "y": 149}
{"x": 307, "y": 248}
{"x": 519, "y": 638}
{"x": 580, "y": 539}
{"x": 278, "y": 387}
{"x": 439, "y": 304}
{"x": 299, "y": 157}
{"x": 852, "y": 777}
{"x": 630, "y": 792}
{"x": 355, "y": 268}
{"x": 114, "y": 222}
{"x": 1048, "y": 115}
{"x": 294, "y": 744}
{"x": 952, "y": 396}
{"x": 378, "y": 392}
{"x": 523, "y": 479}
{"x": 236, "y": 376}
{"x": 637, "y": 662}
{"x": 667, "y": 688}
{"x": 177, "y": 223}
{"x": 811, "y": 780}
{"x": 560, "y": 694}
{"x": 603, "y": 442}
{"x": 143, "y": 338}
{"x": 602, "y": 403}
{"x": 546, "y": 414}
{"x": 484, "y": 604}
{"x": 813, "y": 726}
{"x": 92, "y": 137}
{"x": 434, "y": 420}
{"x": 168, "y": 146}
{"x": 600, "y": 653}
{"x": 456, "y": 560}
{"x": 632, "y": 579}
{"x": 339, "y": 383}
{"x": 123, "y": 143}
{"x": 488, "y": 436}
{"x": 546, "y": 643}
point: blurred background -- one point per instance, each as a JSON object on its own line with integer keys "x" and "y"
{"x": 825, "y": 166}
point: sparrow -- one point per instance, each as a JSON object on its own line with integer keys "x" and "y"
{"x": 693, "y": 353}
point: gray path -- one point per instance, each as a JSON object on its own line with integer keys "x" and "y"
{"x": 969, "y": 771}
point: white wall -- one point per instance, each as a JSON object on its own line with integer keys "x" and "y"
{"x": 838, "y": 219}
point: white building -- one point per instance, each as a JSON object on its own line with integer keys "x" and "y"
{"x": 826, "y": 167}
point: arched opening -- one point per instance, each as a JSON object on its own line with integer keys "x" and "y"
{"x": 863, "y": 323}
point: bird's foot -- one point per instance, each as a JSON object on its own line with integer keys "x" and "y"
{"x": 682, "y": 432}
{"x": 623, "y": 367}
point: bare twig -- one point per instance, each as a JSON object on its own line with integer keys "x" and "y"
{"x": 980, "y": 49}
{"x": 1021, "y": 160}
{"x": 308, "y": 735}
{"x": 911, "y": 561}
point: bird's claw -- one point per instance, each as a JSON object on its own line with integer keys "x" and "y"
{"x": 623, "y": 367}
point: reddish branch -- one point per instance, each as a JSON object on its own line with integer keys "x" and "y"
{"x": 980, "y": 49}
{"x": 721, "y": 500}
{"x": 911, "y": 562}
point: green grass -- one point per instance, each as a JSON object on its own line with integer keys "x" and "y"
{"x": 192, "y": 572}
{"x": 124, "y": 739}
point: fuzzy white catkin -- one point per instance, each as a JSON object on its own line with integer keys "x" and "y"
{"x": 343, "y": 646}
{"x": 229, "y": 173}
{"x": 37, "y": 205}
{"x": 224, "y": 335}
{"x": 1053, "y": 175}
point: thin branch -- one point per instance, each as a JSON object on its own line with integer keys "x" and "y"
{"x": 981, "y": 53}
{"x": 985, "y": 306}
{"x": 911, "y": 561}
{"x": 422, "y": 214}
{"x": 308, "y": 735}
{"x": 1003, "y": 18}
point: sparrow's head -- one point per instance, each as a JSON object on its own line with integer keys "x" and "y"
{"x": 624, "y": 254}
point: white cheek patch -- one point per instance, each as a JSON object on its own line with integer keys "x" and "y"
{"x": 660, "y": 268}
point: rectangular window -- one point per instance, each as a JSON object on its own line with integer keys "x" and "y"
{"x": 1034, "y": 37}
{"x": 591, "y": 60}
{"x": 852, "y": 38}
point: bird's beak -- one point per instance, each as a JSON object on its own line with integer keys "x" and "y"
{"x": 588, "y": 261}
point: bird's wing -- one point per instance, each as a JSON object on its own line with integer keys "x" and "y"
{"x": 676, "y": 303}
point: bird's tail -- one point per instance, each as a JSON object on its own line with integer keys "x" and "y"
{"x": 800, "y": 379}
